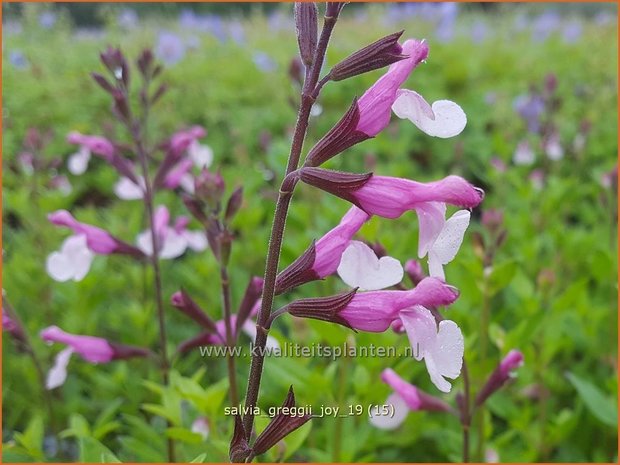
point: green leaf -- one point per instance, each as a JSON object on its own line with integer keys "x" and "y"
{"x": 92, "y": 451}
{"x": 199, "y": 459}
{"x": 601, "y": 406}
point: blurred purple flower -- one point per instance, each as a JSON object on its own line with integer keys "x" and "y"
{"x": 498, "y": 164}
{"x": 545, "y": 25}
{"x": 603, "y": 18}
{"x": 572, "y": 32}
{"x": 237, "y": 32}
{"x": 18, "y": 59}
{"x": 170, "y": 48}
{"x": 530, "y": 108}
{"x": 448, "y": 13}
{"x": 127, "y": 18}
{"x": 47, "y": 19}
{"x": 264, "y": 62}
{"x": 479, "y": 32}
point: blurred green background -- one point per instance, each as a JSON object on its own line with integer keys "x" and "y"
{"x": 527, "y": 76}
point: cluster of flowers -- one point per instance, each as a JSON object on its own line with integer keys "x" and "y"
{"x": 183, "y": 152}
{"x": 369, "y": 306}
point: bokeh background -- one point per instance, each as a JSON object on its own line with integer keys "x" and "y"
{"x": 539, "y": 86}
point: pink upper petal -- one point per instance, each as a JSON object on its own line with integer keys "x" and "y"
{"x": 174, "y": 178}
{"x": 96, "y": 144}
{"x": 181, "y": 140}
{"x": 330, "y": 247}
{"x": 390, "y": 197}
{"x": 98, "y": 240}
{"x": 90, "y": 348}
{"x": 512, "y": 361}
{"x": 407, "y": 391}
{"x": 376, "y": 103}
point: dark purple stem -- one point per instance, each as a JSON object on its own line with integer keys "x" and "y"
{"x": 279, "y": 223}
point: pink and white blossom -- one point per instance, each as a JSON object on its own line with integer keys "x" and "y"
{"x": 405, "y": 398}
{"x": 376, "y": 103}
{"x": 90, "y": 348}
{"x": 174, "y": 240}
{"x": 331, "y": 246}
{"x": 374, "y": 311}
{"x": 390, "y": 197}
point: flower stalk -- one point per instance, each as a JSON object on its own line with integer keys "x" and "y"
{"x": 285, "y": 195}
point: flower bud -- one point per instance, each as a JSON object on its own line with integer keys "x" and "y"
{"x": 499, "y": 377}
{"x": 380, "y": 53}
{"x": 182, "y": 301}
{"x": 333, "y": 9}
{"x": 195, "y": 207}
{"x": 209, "y": 187}
{"x": 281, "y": 426}
{"x": 299, "y": 272}
{"x": 103, "y": 82}
{"x": 253, "y": 292}
{"x": 306, "y": 24}
{"x": 323, "y": 308}
{"x": 145, "y": 62}
{"x": 234, "y": 204}
{"x": 239, "y": 449}
{"x": 339, "y": 138}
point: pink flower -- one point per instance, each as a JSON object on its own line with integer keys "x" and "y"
{"x": 390, "y": 197}
{"x": 182, "y": 140}
{"x": 376, "y": 103}
{"x": 95, "y": 144}
{"x": 441, "y": 346}
{"x": 323, "y": 257}
{"x": 331, "y": 246}
{"x": 98, "y": 240}
{"x": 178, "y": 174}
{"x": 90, "y": 348}
{"x": 406, "y": 397}
{"x": 173, "y": 241}
{"x": 12, "y": 327}
{"x": 374, "y": 311}
{"x": 501, "y": 375}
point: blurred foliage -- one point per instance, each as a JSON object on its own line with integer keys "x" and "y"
{"x": 550, "y": 289}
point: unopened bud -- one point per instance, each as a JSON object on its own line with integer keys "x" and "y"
{"x": 182, "y": 301}
{"x": 323, "y": 308}
{"x": 280, "y": 426}
{"x": 195, "y": 207}
{"x": 379, "y": 54}
{"x": 253, "y": 292}
{"x": 499, "y": 377}
{"x": 339, "y": 138}
{"x": 234, "y": 204}
{"x": 145, "y": 62}
{"x": 296, "y": 71}
{"x": 239, "y": 449}
{"x": 103, "y": 82}
{"x": 209, "y": 187}
{"x": 306, "y": 23}
{"x": 492, "y": 220}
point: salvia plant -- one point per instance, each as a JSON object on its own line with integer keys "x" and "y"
{"x": 378, "y": 298}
